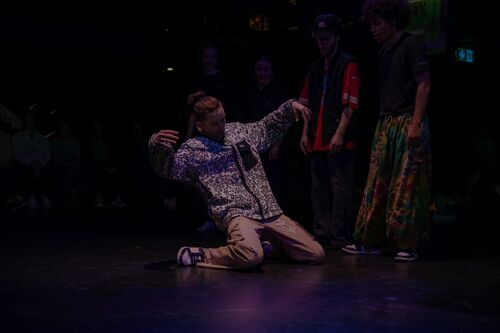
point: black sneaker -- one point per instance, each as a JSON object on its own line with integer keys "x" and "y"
{"x": 189, "y": 256}
{"x": 406, "y": 255}
{"x": 360, "y": 249}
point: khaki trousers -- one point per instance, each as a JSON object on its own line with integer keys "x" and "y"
{"x": 244, "y": 249}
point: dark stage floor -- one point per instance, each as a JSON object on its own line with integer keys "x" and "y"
{"x": 78, "y": 280}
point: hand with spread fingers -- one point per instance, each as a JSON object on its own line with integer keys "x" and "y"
{"x": 165, "y": 138}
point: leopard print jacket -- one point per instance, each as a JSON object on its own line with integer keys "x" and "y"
{"x": 229, "y": 173}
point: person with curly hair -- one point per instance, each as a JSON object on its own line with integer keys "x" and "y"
{"x": 395, "y": 203}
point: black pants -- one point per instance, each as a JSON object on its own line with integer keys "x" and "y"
{"x": 332, "y": 185}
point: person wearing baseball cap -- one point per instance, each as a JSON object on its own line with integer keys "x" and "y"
{"x": 331, "y": 91}
{"x": 325, "y": 25}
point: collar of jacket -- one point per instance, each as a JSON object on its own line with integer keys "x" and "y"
{"x": 221, "y": 141}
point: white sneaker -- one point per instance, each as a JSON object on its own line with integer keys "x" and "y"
{"x": 358, "y": 249}
{"x": 189, "y": 256}
{"x": 406, "y": 255}
{"x": 118, "y": 204}
{"x": 32, "y": 203}
{"x": 17, "y": 202}
{"x": 99, "y": 201}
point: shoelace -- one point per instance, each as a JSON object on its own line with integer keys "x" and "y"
{"x": 196, "y": 256}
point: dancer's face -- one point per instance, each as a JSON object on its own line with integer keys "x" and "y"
{"x": 214, "y": 124}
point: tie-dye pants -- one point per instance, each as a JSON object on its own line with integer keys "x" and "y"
{"x": 395, "y": 203}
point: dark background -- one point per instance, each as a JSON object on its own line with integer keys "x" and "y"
{"x": 110, "y": 270}
{"x": 108, "y": 60}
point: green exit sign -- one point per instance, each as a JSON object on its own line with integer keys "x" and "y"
{"x": 465, "y": 55}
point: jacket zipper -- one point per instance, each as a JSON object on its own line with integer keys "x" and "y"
{"x": 242, "y": 175}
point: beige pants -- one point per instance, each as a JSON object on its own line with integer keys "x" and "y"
{"x": 244, "y": 249}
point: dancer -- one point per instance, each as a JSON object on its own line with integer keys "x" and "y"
{"x": 223, "y": 161}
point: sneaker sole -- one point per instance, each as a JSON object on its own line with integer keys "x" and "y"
{"x": 180, "y": 254}
{"x": 405, "y": 259}
{"x": 367, "y": 253}
{"x": 351, "y": 251}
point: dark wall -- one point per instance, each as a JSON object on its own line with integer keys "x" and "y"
{"x": 92, "y": 60}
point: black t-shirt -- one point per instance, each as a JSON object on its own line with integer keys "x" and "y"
{"x": 398, "y": 65}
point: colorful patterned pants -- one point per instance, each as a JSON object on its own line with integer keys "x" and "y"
{"x": 396, "y": 198}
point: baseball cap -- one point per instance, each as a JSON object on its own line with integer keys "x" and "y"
{"x": 325, "y": 25}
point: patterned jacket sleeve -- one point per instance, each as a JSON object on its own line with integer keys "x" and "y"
{"x": 167, "y": 163}
{"x": 264, "y": 133}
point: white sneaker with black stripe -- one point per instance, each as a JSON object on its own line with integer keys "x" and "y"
{"x": 189, "y": 256}
{"x": 406, "y": 255}
{"x": 360, "y": 249}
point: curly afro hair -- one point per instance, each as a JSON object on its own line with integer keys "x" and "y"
{"x": 396, "y": 11}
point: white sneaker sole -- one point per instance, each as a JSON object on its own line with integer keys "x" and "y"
{"x": 360, "y": 252}
{"x": 407, "y": 259}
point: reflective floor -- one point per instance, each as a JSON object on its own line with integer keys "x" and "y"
{"x": 69, "y": 280}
